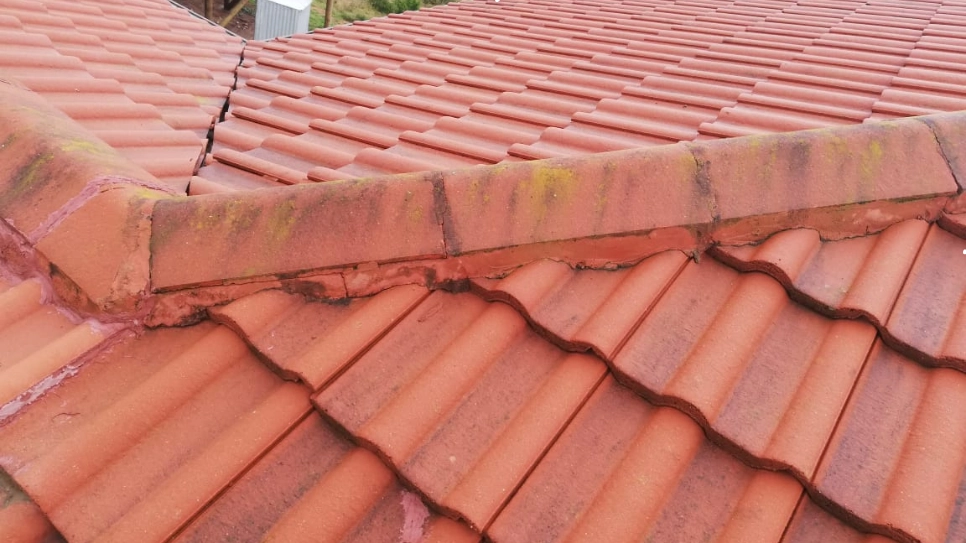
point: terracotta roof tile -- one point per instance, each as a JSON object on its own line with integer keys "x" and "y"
{"x": 298, "y": 216}
{"x": 84, "y": 39}
{"x": 624, "y": 470}
{"x": 783, "y": 396}
{"x": 315, "y": 341}
{"x": 927, "y": 321}
{"x": 847, "y": 278}
{"x": 119, "y": 451}
{"x": 480, "y": 383}
{"x": 314, "y": 469}
{"x": 896, "y": 455}
{"x": 811, "y": 523}
{"x": 888, "y": 279}
{"x": 21, "y": 521}
{"x": 699, "y": 56}
{"x": 591, "y": 309}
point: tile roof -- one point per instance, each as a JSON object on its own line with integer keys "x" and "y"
{"x": 471, "y": 83}
{"x": 145, "y": 77}
{"x": 656, "y": 333}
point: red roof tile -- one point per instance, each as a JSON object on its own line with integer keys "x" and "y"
{"x": 21, "y": 521}
{"x": 729, "y": 63}
{"x": 635, "y": 383}
{"x": 122, "y": 66}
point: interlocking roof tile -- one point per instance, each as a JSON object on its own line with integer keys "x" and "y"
{"x": 889, "y": 279}
{"x": 890, "y": 464}
{"x": 148, "y": 69}
{"x": 313, "y": 470}
{"x": 475, "y": 406}
{"x": 624, "y": 471}
{"x": 21, "y": 521}
{"x": 488, "y": 347}
{"x": 748, "y": 69}
{"x": 310, "y": 341}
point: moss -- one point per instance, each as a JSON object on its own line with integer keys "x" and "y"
{"x": 547, "y": 187}
{"x": 30, "y": 177}
{"x": 86, "y": 146}
{"x": 414, "y": 212}
{"x": 281, "y": 221}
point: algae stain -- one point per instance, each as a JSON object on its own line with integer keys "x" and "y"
{"x": 414, "y": 211}
{"x": 870, "y": 169}
{"x": 282, "y": 221}
{"x": 547, "y": 187}
{"x": 9, "y": 141}
{"x": 29, "y": 176}
{"x": 86, "y": 146}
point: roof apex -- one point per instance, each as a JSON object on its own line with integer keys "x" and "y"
{"x": 602, "y": 210}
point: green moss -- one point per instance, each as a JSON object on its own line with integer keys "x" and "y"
{"x": 30, "y": 177}
{"x": 281, "y": 221}
{"x": 86, "y": 146}
{"x": 547, "y": 187}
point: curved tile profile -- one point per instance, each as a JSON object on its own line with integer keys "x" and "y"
{"x": 764, "y": 374}
{"x": 626, "y": 471}
{"x": 770, "y": 380}
{"x": 576, "y": 78}
{"x": 811, "y": 523}
{"x": 585, "y": 309}
{"x": 463, "y": 399}
{"x": 897, "y": 461}
{"x": 954, "y": 223}
{"x": 148, "y": 78}
{"x": 845, "y": 278}
{"x": 929, "y": 319}
{"x": 146, "y": 434}
{"x": 314, "y": 341}
{"x": 783, "y": 373}
{"x": 40, "y": 344}
{"x": 21, "y": 521}
{"x": 316, "y": 486}
{"x": 904, "y": 280}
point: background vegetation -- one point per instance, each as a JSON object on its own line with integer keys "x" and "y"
{"x": 349, "y": 11}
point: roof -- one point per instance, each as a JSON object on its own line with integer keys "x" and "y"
{"x": 690, "y": 320}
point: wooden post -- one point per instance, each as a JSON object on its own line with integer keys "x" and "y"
{"x": 209, "y": 10}
{"x": 328, "y": 14}
{"x": 234, "y": 11}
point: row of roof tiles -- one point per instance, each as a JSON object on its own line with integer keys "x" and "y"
{"x": 121, "y": 435}
{"x": 145, "y": 77}
{"x": 466, "y": 83}
{"x": 486, "y": 419}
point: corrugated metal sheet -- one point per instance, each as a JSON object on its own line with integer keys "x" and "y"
{"x": 274, "y": 18}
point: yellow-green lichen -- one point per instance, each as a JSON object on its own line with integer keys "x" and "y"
{"x": 281, "y": 221}
{"x": 547, "y": 187}
{"x": 29, "y": 177}
{"x": 87, "y": 147}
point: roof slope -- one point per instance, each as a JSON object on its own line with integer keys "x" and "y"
{"x": 474, "y": 83}
{"x": 757, "y": 338}
{"x": 145, "y": 77}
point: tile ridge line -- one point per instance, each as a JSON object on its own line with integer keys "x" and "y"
{"x": 600, "y": 211}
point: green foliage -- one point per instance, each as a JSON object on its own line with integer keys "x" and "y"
{"x": 395, "y": 6}
{"x": 316, "y": 19}
{"x": 350, "y": 17}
